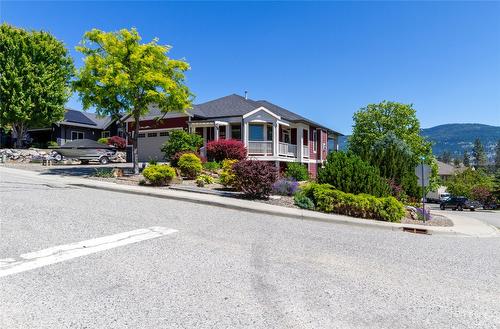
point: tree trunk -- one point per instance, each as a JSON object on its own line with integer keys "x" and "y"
{"x": 19, "y": 131}
{"x": 135, "y": 153}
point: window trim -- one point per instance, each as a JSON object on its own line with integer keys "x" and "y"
{"x": 104, "y": 133}
{"x": 77, "y": 132}
{"x": 315, "y": 140}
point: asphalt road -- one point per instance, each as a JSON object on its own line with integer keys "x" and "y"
{"x": 491, "y": 217}
{"x": 228, "y": 269}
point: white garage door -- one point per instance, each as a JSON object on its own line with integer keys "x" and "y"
{"x": 150, "y": 144}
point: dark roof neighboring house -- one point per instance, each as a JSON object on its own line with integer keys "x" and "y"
{"x": 85, "y": 119}
{"x": 236, "y": 105}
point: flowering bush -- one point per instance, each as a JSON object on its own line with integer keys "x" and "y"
{"x": 285, "y": 186}
{"x": 481, "y": 194}
{"x": 118, "y": 142}
{"x": 222, "y": 149}
{"x": 255, "y": 178}
{"x": 190, "y": 165}
{"x": 423, "y": 214}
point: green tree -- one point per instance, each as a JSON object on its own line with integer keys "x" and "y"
{"x": 456, "y": 162}
{"x": 393, "y": 158}
{"x": 497, "y": 155}
{"x": 122, "y": 76}
{"x": 179, "y": 141}
{"x": 478, "y": 154}
{"x": 466, "y": 159}
{"x": 464, "y": 183}
{"x": 349, "y": 173}
{"x": 373, "y": 122}
{"x": 35, "y": 69}
{"x": 446, "y": 157}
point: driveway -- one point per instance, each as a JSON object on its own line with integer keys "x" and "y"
{"x": 81, "y": 258}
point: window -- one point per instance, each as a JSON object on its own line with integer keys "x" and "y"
{"x": 141, "y": 135}
{"x": 120, "y": 132}
{"x": 105, "y": 134}
{"x": 236, "y": 132}
{"x": 163, "y": 133}
{"x": 315, "y": 141}
{"x": 222, "y": 132}
{"x": 269, "y": 133}
{"x": 152, "y": 134}
{"x": 77, "y": 135}
{"x": 286, "y": 135}
{"x": 256, "y": 132}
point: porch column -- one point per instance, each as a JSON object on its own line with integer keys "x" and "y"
{"x": 204, "y": 135}
{"x": 276, "y": 138}
{"x": 216, "y": 131}
{"x": 300, "y": 141}
{"x": 244, "y": 134}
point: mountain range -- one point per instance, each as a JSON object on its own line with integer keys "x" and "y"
{"x": 456, "y": 138}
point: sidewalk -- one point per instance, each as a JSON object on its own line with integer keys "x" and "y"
{"x": 472, "y": 228}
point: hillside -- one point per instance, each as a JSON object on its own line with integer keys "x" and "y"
{"x": 457, "y": 137}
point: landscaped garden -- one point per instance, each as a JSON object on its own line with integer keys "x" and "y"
{"x": 345, "y": 184}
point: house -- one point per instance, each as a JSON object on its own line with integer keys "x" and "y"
{"x": 269, "y": 132}
{"x": 446, "y": 171}
{"x": 76, "y": 125}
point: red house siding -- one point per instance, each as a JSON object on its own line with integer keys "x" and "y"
{"x": 181, "y": 122}
{"x": 313, "y": 169}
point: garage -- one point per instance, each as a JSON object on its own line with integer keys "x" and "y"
{"x": 150, "y": 143}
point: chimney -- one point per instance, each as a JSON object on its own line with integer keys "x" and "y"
{"x": 246, "y": 94}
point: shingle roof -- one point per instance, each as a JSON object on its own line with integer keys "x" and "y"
{"x": 236, "y": 105}
{"x": 92, "y": 120}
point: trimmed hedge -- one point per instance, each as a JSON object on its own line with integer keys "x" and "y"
{"x": 328, "y": 199}
{"x": 348, "y": 173}
{"x": 222, "y": 149}
{"x": 159, "y": 174}
{"x": 190, "y": 165}
{"x": 255, "y": 178}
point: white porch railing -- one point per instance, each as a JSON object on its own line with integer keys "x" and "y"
{"x": 288, "y": 150}
{"x": 305, "y": 151}
{"x": 260, "y": 148}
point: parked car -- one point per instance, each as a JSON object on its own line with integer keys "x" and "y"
{"x": 490, "y": 206}
{"x": 85, "y": 150}
{"x": 458, "y": 203}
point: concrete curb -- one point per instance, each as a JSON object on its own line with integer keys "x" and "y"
{"x": 254, "y": 207}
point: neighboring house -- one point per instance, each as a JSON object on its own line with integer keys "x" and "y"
{"x": 76, "y": 125}
{"x": 446, "y": 171}
{"x": 270, "y": 132}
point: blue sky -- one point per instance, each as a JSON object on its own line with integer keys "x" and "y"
{"x": 323, "y": 60}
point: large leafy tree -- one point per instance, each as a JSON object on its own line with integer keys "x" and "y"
{"x": 394, "y": 159}
{"x": 374, "y": 122}
{"x": 480, "y": 159}
{"x": 35, "y": 72}
{"x": 122, "y": 76}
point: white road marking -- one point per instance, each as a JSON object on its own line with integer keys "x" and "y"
{"x": 53, "y": 255}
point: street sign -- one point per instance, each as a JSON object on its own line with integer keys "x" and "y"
{"x": 423, "y": 173}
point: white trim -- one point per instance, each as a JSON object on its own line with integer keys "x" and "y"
{"x": 315, "y": 141}
{"x": 283, "y": 123}
{"x": 159, "y": 130}
{"x": 262, "y": 108}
